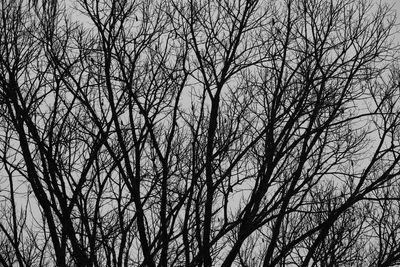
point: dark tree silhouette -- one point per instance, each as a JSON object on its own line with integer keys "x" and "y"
{"x": 199, "y": 133}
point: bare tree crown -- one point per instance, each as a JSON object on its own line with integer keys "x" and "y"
{"x": 199, "y": 133}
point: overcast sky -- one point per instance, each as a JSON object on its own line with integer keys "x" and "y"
{"x": 396, "y": 4}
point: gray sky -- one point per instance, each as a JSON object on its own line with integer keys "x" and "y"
{"x": 396, "y": 5}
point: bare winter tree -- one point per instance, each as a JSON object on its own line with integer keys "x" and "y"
{"x": 199, "y": 133}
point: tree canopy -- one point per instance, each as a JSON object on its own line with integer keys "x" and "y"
{"x": 199, "y": 133}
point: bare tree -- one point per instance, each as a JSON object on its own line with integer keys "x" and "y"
{"x": 199, "y": 133}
